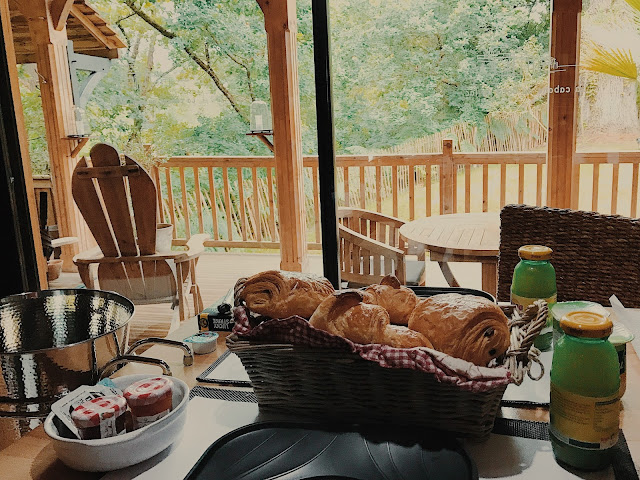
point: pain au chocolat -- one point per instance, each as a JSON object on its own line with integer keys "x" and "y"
{"x": 465, "y": 326}
{"x": 281, "y": 294}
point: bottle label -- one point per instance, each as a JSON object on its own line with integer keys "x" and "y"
{"x": 589, "y": 423}
{"x": 522, "y": 303}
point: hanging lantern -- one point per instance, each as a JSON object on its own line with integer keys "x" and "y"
{"x": 260, "y": 117}
{"x": 82, "y": 129}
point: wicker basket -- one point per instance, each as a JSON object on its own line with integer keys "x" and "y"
{"x": 338, "y": 386}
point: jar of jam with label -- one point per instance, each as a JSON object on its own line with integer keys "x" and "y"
{"x": 585, "y": 400}
{"x": 149, "y": 399}
{"x": 101, "y": 417}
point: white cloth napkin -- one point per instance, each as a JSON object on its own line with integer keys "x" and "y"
{"x": 533, "y": 391}
{"x": 630, "y": 318}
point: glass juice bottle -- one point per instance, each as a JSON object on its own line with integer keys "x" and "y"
{"x": 585, "y": 382}
{"x": 534, "y": 278}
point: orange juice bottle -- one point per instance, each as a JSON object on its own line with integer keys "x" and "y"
{"x": 534, "y": 278}
{"x": 585, "y": 400}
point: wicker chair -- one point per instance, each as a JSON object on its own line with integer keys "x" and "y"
{"x": 371, "y": 247}
{"x": 594, "y": 255}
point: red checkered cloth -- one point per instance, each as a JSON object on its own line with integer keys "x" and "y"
{"x": 447, "y": 369}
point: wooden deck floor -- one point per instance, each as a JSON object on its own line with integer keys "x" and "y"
{"x": 218, "y": 272}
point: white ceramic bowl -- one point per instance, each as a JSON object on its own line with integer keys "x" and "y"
{"x": 130, "y": 448}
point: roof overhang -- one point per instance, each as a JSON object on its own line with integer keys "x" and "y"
{"x": 88, "y": 31}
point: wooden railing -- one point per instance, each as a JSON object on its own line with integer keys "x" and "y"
{"x": 244, "y": 192}
{"x": 406, "y": 186}
{"x": 614, "y": 182}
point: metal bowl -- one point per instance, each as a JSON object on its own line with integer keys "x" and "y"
{"x": 53, "y": 341}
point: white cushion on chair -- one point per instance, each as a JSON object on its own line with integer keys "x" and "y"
{"x": 415, "y": 271}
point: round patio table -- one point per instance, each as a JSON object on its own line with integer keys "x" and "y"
{"x": 459, "y": 237}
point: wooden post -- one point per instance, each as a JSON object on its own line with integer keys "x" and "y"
{"x": 57, "y": 104}
{"x": 281, "y": 27}
{"x": 5, "y": 17}
{"x": 447, "y": 171}
{"x": 563, "y": 102}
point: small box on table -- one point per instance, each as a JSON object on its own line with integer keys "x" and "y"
{"x": 219, "y": 316}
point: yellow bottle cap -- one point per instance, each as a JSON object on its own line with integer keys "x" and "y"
{"x": 535, "y": 252}
{"x": 586, "y": 324}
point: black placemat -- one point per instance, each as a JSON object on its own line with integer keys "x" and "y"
{"x": 523, "y": 404}
{"x": 219, "y": 379}
{"x": 223, "y": 394}
{"x": 521, "y": 428}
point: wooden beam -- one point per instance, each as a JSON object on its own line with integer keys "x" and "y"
{"x": 263, "y": 138}
{"x": 5, "y": 18}
{"x": 281, "y": 27}
{"x": 563, "y": 102}
{"x": 110, "y": 41}
{"x": 50, "y": 48}
{"x": 60, "y": 12}
{"x": 447, "y": 171}
{"x": 82, "y": 141}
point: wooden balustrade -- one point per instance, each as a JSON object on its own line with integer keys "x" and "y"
{"x": 234, "y": 199}
{"x": 409, "y": 186}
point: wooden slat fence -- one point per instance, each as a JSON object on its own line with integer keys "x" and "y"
{"x": 614, "y": 182}
{"x": 234, "y": 199}
{"x": 243, "y": 192}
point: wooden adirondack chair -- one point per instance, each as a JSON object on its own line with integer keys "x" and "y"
{"x": 118, "y": 202}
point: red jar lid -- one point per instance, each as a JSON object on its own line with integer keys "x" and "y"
{"x": 92, "y": 412}
{"x": 147, "y": 391}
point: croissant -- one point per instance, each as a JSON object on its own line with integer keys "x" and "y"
{"x": 346, "y": 315}
{"x": 399, "y": 301}
{"x": 465, "y": 326}
{"x": 280, "y": 294}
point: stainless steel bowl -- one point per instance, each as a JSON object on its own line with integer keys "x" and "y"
{"x": 53, "y": 341}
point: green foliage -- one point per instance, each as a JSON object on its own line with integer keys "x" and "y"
{"x": 34, "y": 120}
{"x": 611, "y": 55}
{"x": 401, "y": 70}
{"x": 617, "y": 62}
{"x": 417, "y": 67}
{"x": 224, "y": 134}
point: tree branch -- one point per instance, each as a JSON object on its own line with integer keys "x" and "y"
{"x": 190, "y": 52}
{"x": 164, "y": 74}
{"x": 236, "y": 61}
